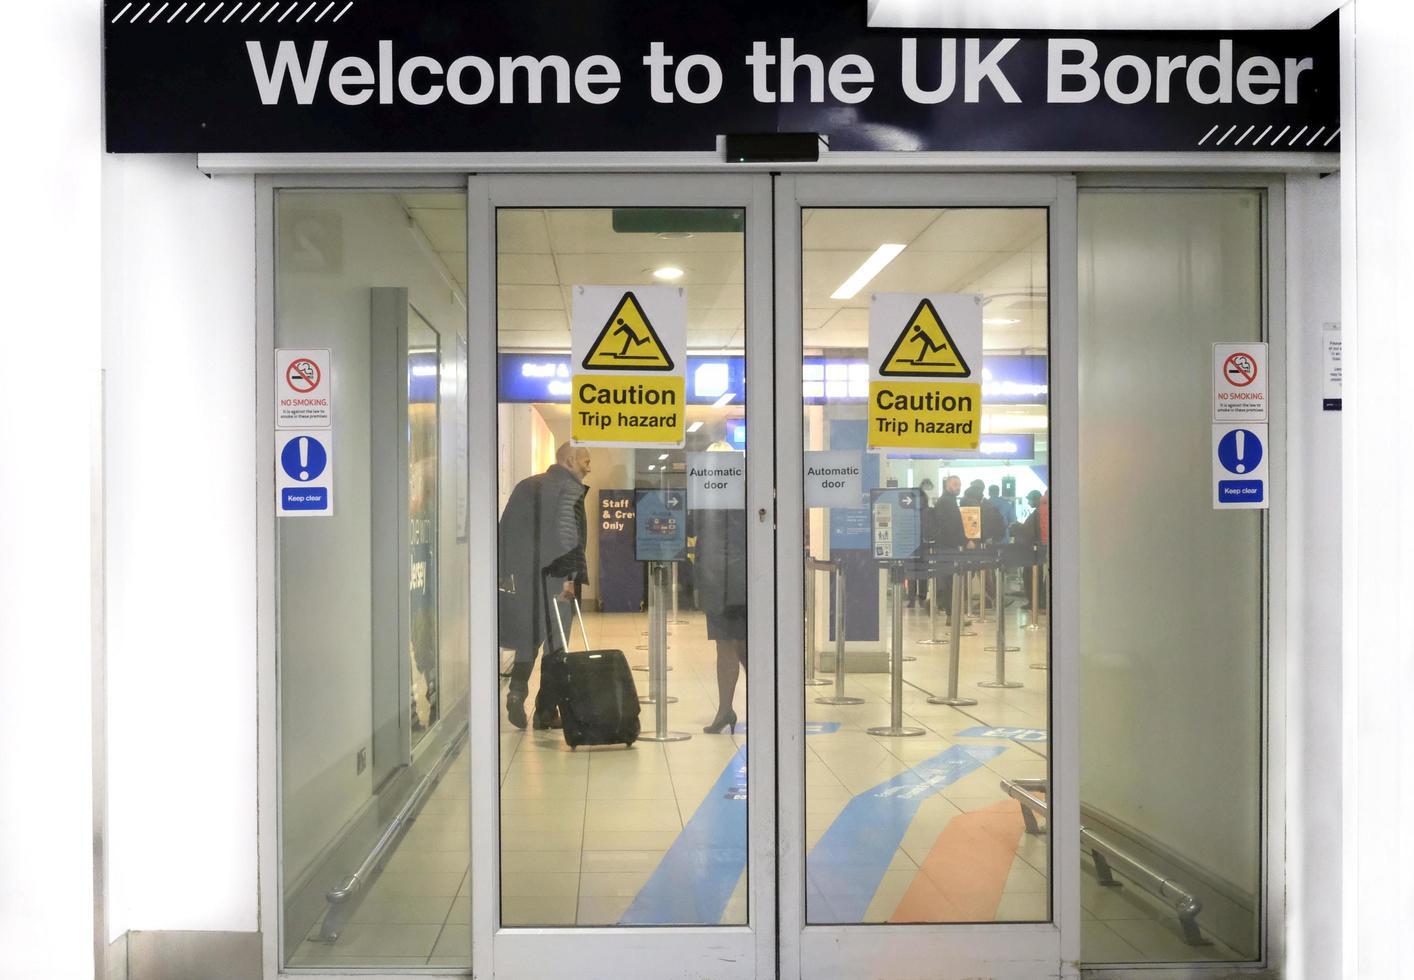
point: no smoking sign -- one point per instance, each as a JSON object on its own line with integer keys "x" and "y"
{"x": 302, "y": 389}
{"x": 1240, "y": 382}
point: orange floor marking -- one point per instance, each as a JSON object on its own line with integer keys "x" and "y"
{"x": 964, "y": 875}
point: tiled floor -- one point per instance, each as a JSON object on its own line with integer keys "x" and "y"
{"x": 584, "y": 832}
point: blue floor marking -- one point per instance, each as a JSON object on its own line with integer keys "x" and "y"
{"x": 844, "y": 869}
{"x": 696, "y": 877}
{"x": 1013, "y": 734}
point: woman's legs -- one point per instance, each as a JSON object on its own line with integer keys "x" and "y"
{"x": 731, "y": 657}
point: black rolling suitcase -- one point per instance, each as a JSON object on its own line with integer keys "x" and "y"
{"x": 597, "y": 697}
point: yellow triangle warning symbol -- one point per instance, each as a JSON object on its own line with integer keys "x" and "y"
{"x": 628, "y": 342}
{"x": 925, "y": 349}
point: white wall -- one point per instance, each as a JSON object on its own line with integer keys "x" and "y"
{"x": 1313, "y": 614}
{"x": 179, "y": 353}
{"x": 49, "y": 376}
{"x": 1377, "y": 242}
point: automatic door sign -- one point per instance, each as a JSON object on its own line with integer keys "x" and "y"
{"x": 925, "y": 364}
{"x": 1240, "y": 382}
{"x": 1240, "y": 467}
{"x": 304, "y": 473}
{"x": 302, "y": 386}
{"x": 629, "y": 347}
{"x": 660, "y": 525}
{"x": 834, "y": 478}
{"x": 716, "y": 481}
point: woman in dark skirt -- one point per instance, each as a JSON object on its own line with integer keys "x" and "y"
{"x": 721, "y": 591}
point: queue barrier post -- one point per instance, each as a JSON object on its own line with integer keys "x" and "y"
{"x": 895, "y": 728}
{"x": 812, "y": 651}
{"x": 839, "y": 697}
{"x": 658, "y": 656}
{"x": 1000, "y": 648}
{"x": 955, "y": 647}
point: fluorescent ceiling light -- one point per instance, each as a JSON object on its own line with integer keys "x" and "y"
{"x": 999, "y": 321}
{"x": 872, "y": 266}
{"x": 652, "y": 467}
{"x": 662, "y": 457}
{"x": 668, "y": 273}
{"x": 695, "y": 426}
{"x": 723, "y": 400}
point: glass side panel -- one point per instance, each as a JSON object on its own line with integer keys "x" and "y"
{"x": 655, "y": 834}
{"x": 1170, "y": 590}
{"x": 372, "y": 615}
{"x": 909, "y": 818}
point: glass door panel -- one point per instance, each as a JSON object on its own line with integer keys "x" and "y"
{"x": 620, "y": 383}
{"x": 921, "y": 730}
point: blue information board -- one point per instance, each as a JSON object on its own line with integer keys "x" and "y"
{"x": 897, "y": 522}
{"x": 660, "y": 525}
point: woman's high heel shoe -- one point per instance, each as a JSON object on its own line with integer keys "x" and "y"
{"x": 719, "y": 723}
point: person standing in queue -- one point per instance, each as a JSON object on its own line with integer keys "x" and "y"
{"x": 950, "y": 536}
{"x": 918, "y": 569}
{"x": 721, "y": 593}
{"x": 541, "y": 549}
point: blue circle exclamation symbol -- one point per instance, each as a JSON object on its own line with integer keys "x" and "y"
{"x": 1240, "y": 451}
{"x": 303, "y": 458}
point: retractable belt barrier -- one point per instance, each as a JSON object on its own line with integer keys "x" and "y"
{"x": 658, "y": 579}
{"x": 959, "y": 564}
{"x": 1009, "y": 556}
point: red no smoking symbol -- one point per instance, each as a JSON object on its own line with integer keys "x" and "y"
{"x": 1240, "y": 370}
{"x": 302, "y": 375}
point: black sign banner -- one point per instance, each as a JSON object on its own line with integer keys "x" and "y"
{"x": 635, "y": 76}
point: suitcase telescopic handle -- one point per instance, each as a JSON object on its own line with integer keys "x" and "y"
{"x": 583, "y": 633}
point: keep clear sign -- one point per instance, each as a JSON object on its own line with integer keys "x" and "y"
{"x": 304, "y": 473}
{"x": 716, "y": 481}
{"x": 629, "y": 355}
{"x": 924, "y": 353}
{"x": 1240, "y": 466}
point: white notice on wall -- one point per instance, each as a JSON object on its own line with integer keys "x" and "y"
{"x": 834, "y": 478}
{"x": 302, "y": 389}
{"x": 1240, "y": 382}
{"x": 716, "y": 481}
{"x": 1330, "y": 368}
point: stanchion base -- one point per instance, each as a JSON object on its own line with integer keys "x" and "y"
{"x": 993, "y": 649}
{"x": 677, "y": 622}
{"x": 817, "y": 682}
{"x": 649, "y": 699}
{"x": 669, "y": 737}
{"x": 839, "y": 700}
{"x": 644, "y": 667}
{"x": 932, "y": 643}
{"x": 992, "y": 684}
{"x": 909, "y": 658}
{"x": 902, "y": 731}
{"x": 1040, "y": 666}
{"x": 968, "y": 633}
{"x": 1033, "y": 627}
{"x": 954, "y": 702}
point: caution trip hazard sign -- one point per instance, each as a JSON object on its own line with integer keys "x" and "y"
{"x": 629, "y": 351}
{"x": 925, "y": 369}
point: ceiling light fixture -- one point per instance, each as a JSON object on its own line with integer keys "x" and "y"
{"x": 662, "y": 457}
{"x": 695, "y": 426}
{"x": 872, "y": 266}
{"x": 724, "y": 399}
{"x": 668, "y": 273}
{"x": 999, "y": 321}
